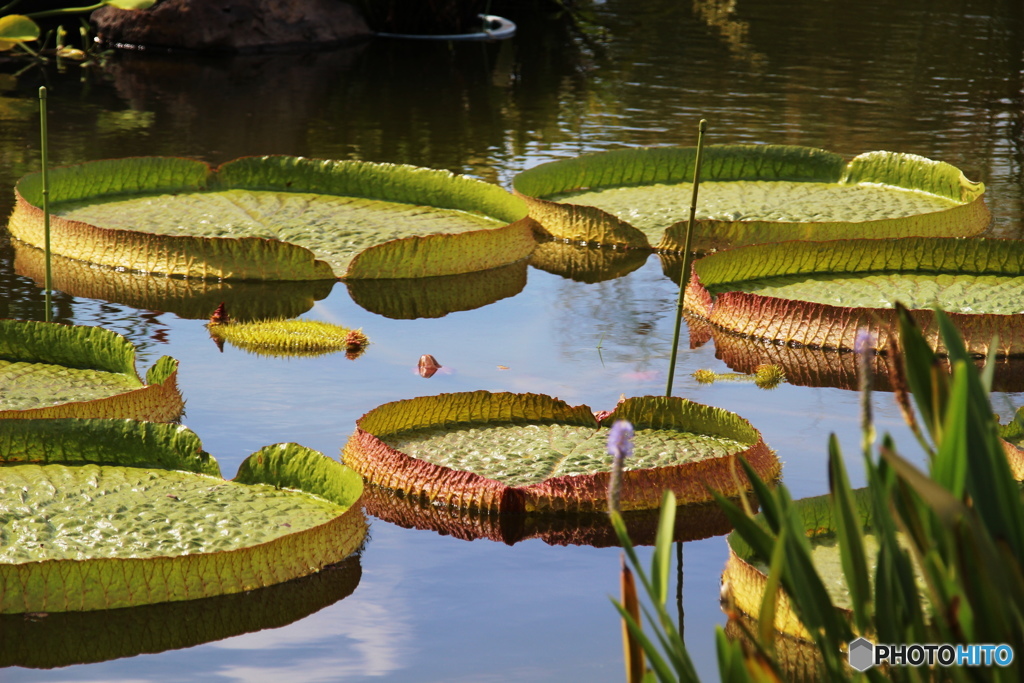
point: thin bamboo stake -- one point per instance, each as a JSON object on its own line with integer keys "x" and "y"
{"x": 684, "y": 278}
{"x": 48, "y": 280}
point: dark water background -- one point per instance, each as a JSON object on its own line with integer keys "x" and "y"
{"x": 939, "y": 78}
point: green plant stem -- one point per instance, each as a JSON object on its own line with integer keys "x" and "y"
{"x": 26, "y": 48}
{"x": 66, "y": 10}
{"x": 48, "y": 281}
{"x": 6, "y": 9}
{"x": 684, "y": 278}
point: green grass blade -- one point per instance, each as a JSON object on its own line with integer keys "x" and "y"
{"x": 851, "y": 538}
{"x": 661, "y": 561}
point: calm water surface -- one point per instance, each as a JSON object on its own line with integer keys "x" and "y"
{"x": 942, "y": 79}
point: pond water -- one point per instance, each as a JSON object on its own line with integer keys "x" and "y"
{"x": 939, "y": 78}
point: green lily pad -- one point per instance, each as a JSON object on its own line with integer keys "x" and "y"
{"x": 189, "y": 298}
{"x": 274, "y": 218}
{"x": 54, "y": 370}
{"x": 747, "y": 578}
{"x": 748, "y": 194}
{"x": 286, "y": 337}
{"x": 516, "y": 453}
{"x": 17, "y": 28}
{"x": 65, "y": 638}
{"x": 820, "y": 294}
{"x": 103, "y": 514}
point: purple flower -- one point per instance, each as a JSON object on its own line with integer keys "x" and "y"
{"x": 864, "y": 341}
{"x": 620, "y": 440}
{"x": 620, "y": 447}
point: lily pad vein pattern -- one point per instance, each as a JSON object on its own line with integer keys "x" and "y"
{"x": 34, "y": 385}
{"x": 652, "y": 208}
{"x": 521, "y": 455}
{"x": 84, "y": 512}
{"x": 958, "y": 293}
{"x": 335, "y": 228}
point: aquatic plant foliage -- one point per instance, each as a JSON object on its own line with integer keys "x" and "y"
{"x": 747, "y": 578}
{"x": 748, "y": 193}
{"x": 764, "y": 376}
{"x": 819, "y": 294}
{"x": 286, "y": 337}
{"x": 274, "y": 218}
{"x": 56, "y": 370}
{"x": 515, "y": 453}
{"x": 100, "y": 514}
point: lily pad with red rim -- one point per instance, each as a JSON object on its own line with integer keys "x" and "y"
{"x": 820, "y": 294}
{"x": 528, "y": 453}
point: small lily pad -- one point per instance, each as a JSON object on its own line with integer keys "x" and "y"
{"x": 274, "y": 218}
{"x": 819, "y": 294}
{"x": 528, "y": 453}
{"x": 748, "y": 194}
{"x": 286, "y": 337}
{"x": 55, "y": 370}
{"x": 103, "y": 514}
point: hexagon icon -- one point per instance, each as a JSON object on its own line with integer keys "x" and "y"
{"x": 862, "y": 654}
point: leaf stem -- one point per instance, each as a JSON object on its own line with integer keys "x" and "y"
{"x": 48, "y": 280}
{"x": 66, "y": 10}
{"x": 685, "y": 276}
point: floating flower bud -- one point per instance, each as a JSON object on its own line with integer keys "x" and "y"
{"x": 428, "y": 366}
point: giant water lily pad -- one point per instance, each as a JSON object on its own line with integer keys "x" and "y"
{"x": 55, "y": 370}
{"x": 190, "y": 298}
{"x": 819, "y": 294}
{"x": 104, "y": 514}
{"x": 274, "y": 218}
{"x": 66, "y": 638}
{"x": 749, "y": 193}
{"x": 529, "y": 453}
